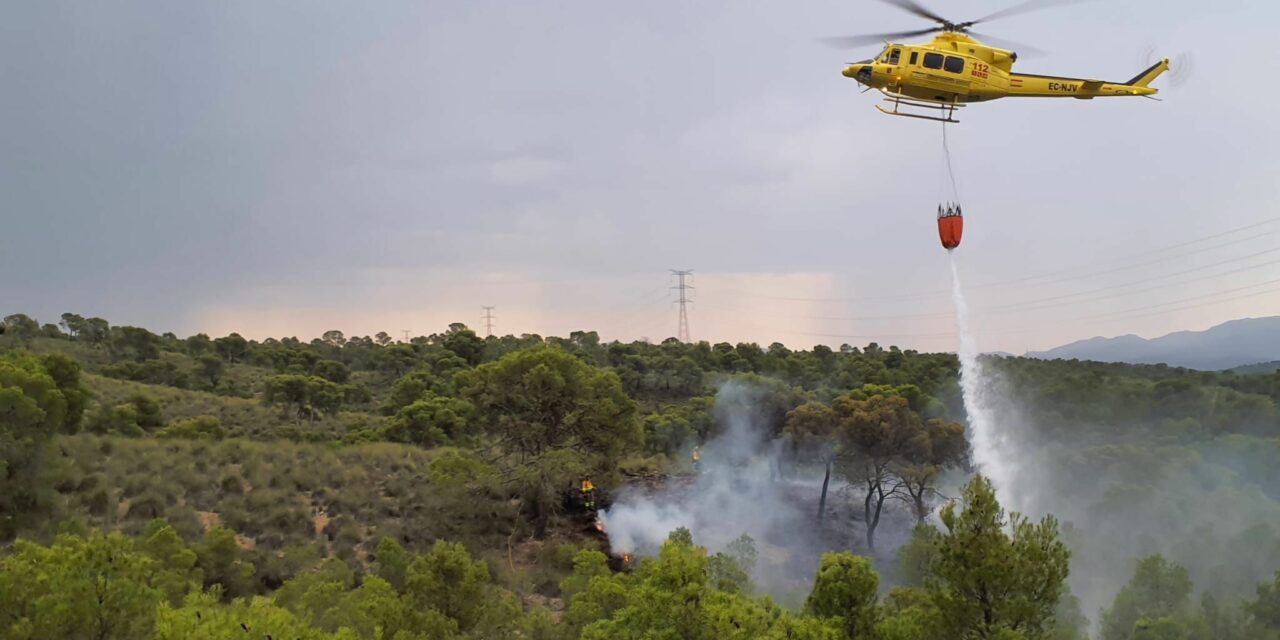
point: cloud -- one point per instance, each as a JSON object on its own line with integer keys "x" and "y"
{"x": 525, "y": 170}
{"x": 172, "y": 159}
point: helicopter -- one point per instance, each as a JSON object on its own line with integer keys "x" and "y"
{"x": 933, "y": 80}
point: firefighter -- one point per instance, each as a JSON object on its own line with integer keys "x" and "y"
{"x": 697, "y": 457}
{"x": 588, "y": 494}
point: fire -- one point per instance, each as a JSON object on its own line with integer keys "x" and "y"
{"x": 626, "y": 560}
{"x": 599, "y": 525}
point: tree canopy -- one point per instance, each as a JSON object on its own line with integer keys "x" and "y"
{"x": 353, "y": 486}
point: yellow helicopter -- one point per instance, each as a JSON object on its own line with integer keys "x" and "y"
{"x": 932, "y": 80}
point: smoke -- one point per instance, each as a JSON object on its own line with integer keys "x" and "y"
{"x": 1121, "y": 501}
{"x": 1122, "y": 492}
{"x": 743, "y": 486}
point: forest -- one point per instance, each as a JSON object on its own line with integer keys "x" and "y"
{"x": 363, "y": 487}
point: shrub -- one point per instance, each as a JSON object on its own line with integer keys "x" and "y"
{"x": 149, "y": 372}
{"x": 198, "y": 428}
{"x": 100, "y": 502}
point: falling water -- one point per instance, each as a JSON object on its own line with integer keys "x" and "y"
{"x": 990, "y": 448}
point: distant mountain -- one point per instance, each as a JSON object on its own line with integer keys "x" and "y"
{"x": 1237, "y": 343}
{"x": 1261, "y": 367}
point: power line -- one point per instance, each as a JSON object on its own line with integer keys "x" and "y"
{"x": 1053, "y": 274}
{"x": 488, "y": 321}
{"x": 1090, "y": 274}
{"x": 1215, "y": 236}
{"x": 1201, "y": 300}
{"x": 1078, "y": 298}
{"x": 682, "y": 328}
{"x": 1211, "y": 302}
{"x": 1024, "y": 306}
{"x": 730, "y": 307}
{"x": 647, "y": 311}
{"x": 637, "y": 324}
{"x": 1149, "y": 307}
{"x": 882, "y": 336}
{"x": 1136, "y": 312}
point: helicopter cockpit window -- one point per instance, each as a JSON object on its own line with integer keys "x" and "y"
{"x": 933, "y": 60}
{"x": 894, "y": 56}
{"x": 954, "y": 64}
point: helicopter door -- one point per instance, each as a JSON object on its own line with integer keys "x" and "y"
{"x": 941, "y": 73}
{"x": 955, "y": 67}
{"x": 930, "y": 73}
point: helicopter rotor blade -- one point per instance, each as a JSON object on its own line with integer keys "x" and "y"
{"x": 915, "y": 8}
{"x": 1027, "y": 6}
{"x": 1181, "y": 66}
{"x": 848, "y": 42}
{"x": 1024, "y": 50}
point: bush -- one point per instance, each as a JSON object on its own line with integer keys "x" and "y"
{"x": 231, "y": 483}
{"x": 270, "y": 491}
{"x": 100, "y": 502}
{"x": 133, "y": 418}
{"x": 644, "y": 467}
{"x": 149, "y": 372}
{"x": 198, "y": 428}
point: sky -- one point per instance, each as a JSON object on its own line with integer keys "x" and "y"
{"x": 285, "y": 168}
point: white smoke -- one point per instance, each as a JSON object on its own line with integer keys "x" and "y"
{"x": 739, "y": 489}
{"x": 1120, "y": 499}
{"x": 640, "y": 524}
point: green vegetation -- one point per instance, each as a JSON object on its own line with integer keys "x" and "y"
{"x": 159, "y": 487}
{"x": 876, "y": 437}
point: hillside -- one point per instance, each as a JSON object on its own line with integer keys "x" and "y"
{"x": 344, "y": 486}
{"x": 1259, "y": 368}
{"x": 1228, "y": 345}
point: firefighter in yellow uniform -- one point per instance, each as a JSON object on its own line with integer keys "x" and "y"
{"x": 697, "y": 457}
{"x": 588, "y": 494}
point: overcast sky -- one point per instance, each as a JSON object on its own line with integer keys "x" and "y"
{"x": 282, "y": 168}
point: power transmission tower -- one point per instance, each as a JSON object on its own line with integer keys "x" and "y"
{"x": 682, "y": 330}
{"x": 488, "y": 321}
{"x": 406, "y": 334}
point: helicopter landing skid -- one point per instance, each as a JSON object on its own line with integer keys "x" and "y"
{"x": 946, "y": 110}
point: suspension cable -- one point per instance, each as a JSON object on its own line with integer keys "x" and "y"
{"x": 946, "y": 153}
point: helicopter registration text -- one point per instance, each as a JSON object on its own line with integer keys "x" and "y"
{"x": 1063, "y": 86}
{"x": 980, "y": 70}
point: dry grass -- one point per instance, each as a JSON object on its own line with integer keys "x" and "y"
{"x": 208, "y": 519}
{"x": 275, "y": 495}
{"x": 241, "y": 417}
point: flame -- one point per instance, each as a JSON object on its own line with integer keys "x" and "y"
{"x": 599, "y": 525}
{"x": 626, "y": 560}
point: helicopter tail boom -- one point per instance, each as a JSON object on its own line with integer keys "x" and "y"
{"x": 1037, "y": 86}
